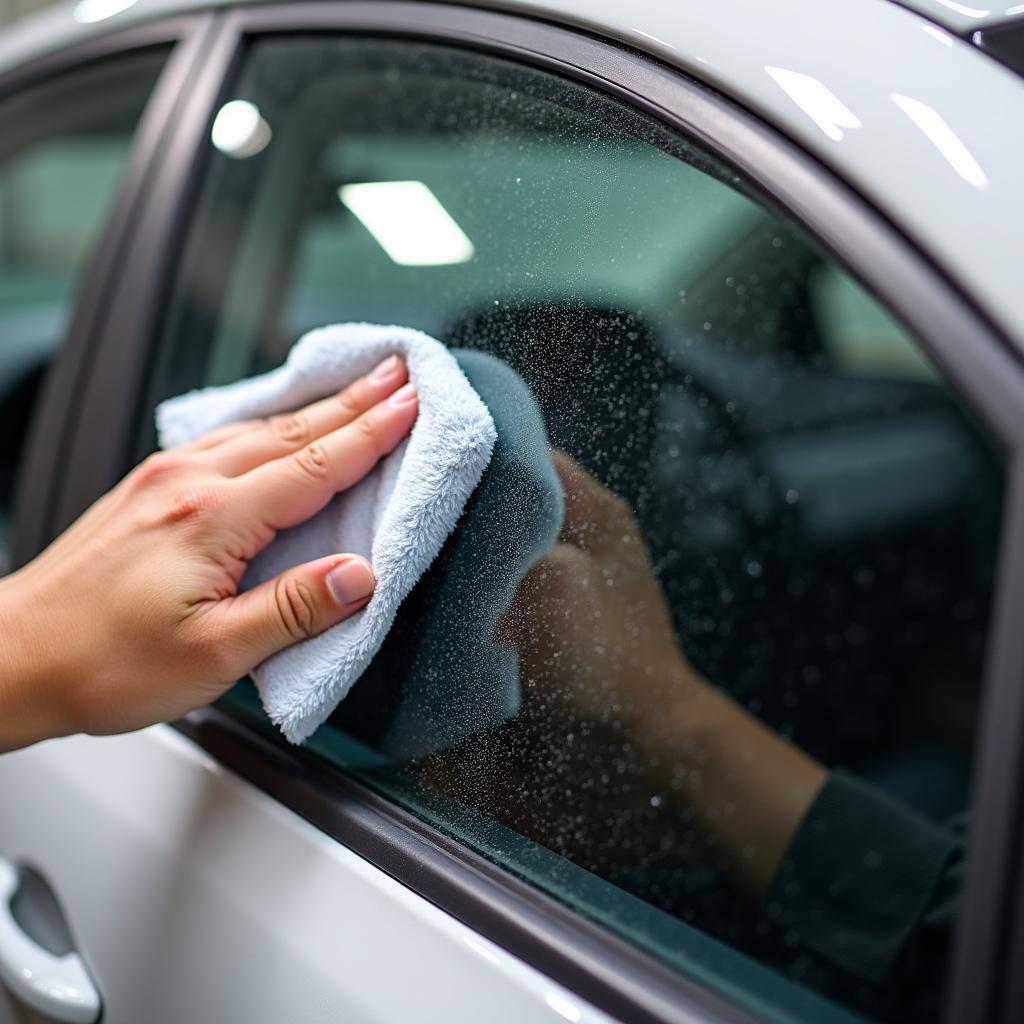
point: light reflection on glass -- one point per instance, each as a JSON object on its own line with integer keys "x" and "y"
{"x": 408, "y": 222}
{"x": 943, "y": 138}
{"x": 239, "y": 130}
{"x": 817, "y": 101}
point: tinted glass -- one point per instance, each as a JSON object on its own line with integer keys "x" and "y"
{"x": 730, "y": 713}
{"x": 63, "y": 146}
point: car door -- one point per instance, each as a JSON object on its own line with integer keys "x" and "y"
{"x": 818, "y": 482}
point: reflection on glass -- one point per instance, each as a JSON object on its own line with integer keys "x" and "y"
{"x": 239, "y": 130}
{"x": 409, "y": 222}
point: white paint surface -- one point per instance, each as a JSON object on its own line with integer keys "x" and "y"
{"x": 194, "y": 897}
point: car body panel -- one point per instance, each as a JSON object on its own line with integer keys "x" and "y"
{"x": 965, "y": 15}
{"x": 233, "y": 879}
{"x": 882, "y": 96}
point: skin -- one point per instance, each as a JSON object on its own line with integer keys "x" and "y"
{"x": 133, "y": 616}
{"x": 596, "y": 639}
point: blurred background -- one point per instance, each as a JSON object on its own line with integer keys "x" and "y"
{"x": 12, "y": 10}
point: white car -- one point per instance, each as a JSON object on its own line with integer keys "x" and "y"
{"x": 762, "y": 267}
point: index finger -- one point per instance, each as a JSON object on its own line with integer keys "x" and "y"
{"x": 281, "y": 435}
{"x": 287, "y": 491}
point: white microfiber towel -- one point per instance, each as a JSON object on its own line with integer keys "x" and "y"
{"x": 398, "y": 516}
{"x": 450, "y": 676}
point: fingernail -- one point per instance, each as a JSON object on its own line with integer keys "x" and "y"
{"x": 385, "y": 369}
{"x": 405, "y": 395}
{"x": 350, "y": 581}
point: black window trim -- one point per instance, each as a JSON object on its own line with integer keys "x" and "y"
{"x": 971, "y": 351}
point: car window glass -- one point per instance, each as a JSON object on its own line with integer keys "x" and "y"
{"x": 63, "y": 146}
{"x": 780, "y": 535}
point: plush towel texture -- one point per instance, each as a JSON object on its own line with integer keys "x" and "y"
{"x": 452, "y": 679}
{"x": 399, "y": 516}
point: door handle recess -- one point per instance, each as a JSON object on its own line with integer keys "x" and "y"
{"x": 57, "y": 986}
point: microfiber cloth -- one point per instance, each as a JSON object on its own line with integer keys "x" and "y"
{"x": 398, "y": 516}
{"x": 449, "y": 677}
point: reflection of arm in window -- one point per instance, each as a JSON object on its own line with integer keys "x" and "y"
{"x": 855, "y": 876}
{"x": 591, "y": 621}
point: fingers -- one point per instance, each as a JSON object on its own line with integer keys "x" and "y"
{"x": 218, "y": 436}
{"x": 237, "y": 452}
{"x": 294, "y": 606}
{"x": 288, "y": 490}
{"x": 595, "y": 518}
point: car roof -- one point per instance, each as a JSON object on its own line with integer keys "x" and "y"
{"x": 911, "y": 115}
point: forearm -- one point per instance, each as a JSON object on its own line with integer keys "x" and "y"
{"x": 748, "y": 788}
{"x": 30, "y": 707}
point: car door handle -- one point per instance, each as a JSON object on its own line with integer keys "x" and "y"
{"x": 57, "y": 986}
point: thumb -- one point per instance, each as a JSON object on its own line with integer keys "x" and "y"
{"x": 299, "y": 603}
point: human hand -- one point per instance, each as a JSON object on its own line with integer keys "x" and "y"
{"x": 133, "y": 616}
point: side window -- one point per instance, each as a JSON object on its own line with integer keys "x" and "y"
{"x": 63, "y": 146}
{"x": 730, "y": 713}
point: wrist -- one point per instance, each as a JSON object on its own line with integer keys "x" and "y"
{"x": 31, "y": 704}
